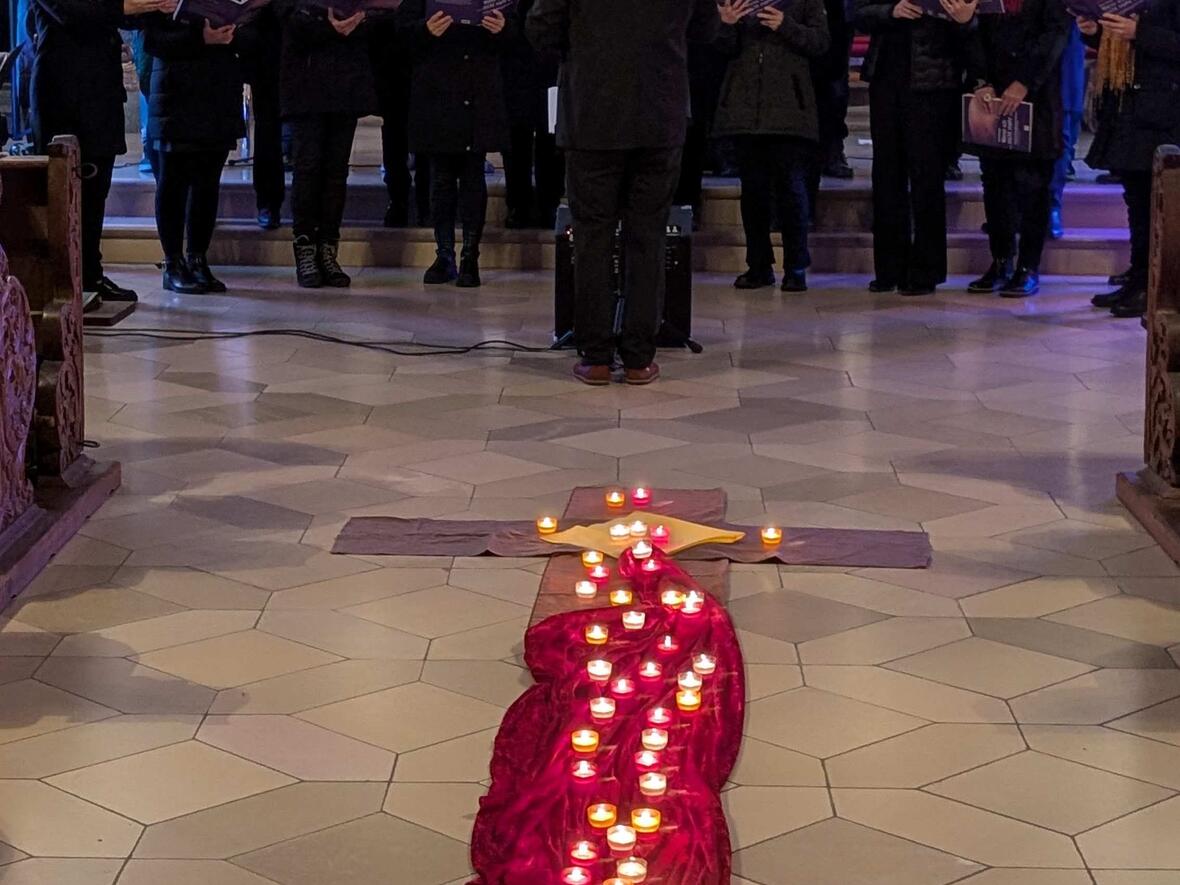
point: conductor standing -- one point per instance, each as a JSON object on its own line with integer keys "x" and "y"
{"x": 622, "y": 117}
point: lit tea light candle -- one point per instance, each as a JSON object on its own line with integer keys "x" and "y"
{"x": 653, "y": 783}
{"x": 615, "y": 498}
{"x": 632, "y": 620}
{"x": 620, "y": 532}
{"x": 584, "y": 769}
{"x": 641, "y": 496}
{"x": 586, "y": 589}
{"x": 597, "y": 634}
{"x": 575, "y": 876}
{"x": 650, "y": 670}
{"x": 591, "y": 558}
{"x": 688, "y": 700}
{"x": 584, "y": 740}
{"x": 772, "y": 535}
{"x": 672, "y": 598}
{"x": 641, "y": 551}
{"x": 599, "y": 670}
{"x": 638, "y": 529}
{"x": 632, "y": 870}
{"x": 645, "y": 820}
{"x": 654, "y": 739}
{"x": 613, "y": 881}
{"x": 704, "y": 664}
{"x": 646, "y": 760}
{"x": 546, "y": 525}
{"x": 693, "y": 603}
{"x": 689, "y": 679}
{"x": 600, "y": 574}
{"x": 622, "y": 596}
{"x": 584, "y": 851}
{"x": 660, "y": 535}
{"x": 659, "y": 716}
{"x": 602, "y": 708}
{"x": 650, "y": 567}
{"x": 623, "y": 687}
{"x": 668, "y": 643}
{"x": 602, "y": 815}
{"x": 621, "y": 837}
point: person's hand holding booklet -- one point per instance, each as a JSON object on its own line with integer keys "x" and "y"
{"x": 219, "y": 14}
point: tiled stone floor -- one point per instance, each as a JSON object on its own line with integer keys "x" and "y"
{"x": 197, "y": 693}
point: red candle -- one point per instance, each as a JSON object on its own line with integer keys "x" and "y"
{"x": 660, "y": 535}
{"x": 660, "y": 716}
{"x": 646, "y": 760}
{"x": 668, "y": 644}
{"x": 650, "y": 670}
{"x": 641, "y": 496}
{"x": 650, "y": 567}
{"x": 623, "y": 687}
{"x": 583, "y": 769}
{"x": 600, "y": 574}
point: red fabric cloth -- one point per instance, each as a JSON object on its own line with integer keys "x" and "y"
{"x": 536, "y": 809}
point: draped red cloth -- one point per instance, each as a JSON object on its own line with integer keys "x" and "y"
{"x": 535, "y": 809}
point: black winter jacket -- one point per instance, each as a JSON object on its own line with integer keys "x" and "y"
{"x": 768, "y": 88}
{"x": 935, "y": 46}
{"x": 322, "y": 72}
{"x": 528, "y": 74}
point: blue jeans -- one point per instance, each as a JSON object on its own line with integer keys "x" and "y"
{"x": 1071, "y": 129}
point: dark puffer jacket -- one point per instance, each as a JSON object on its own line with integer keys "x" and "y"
{"x": 195, "y": 98}
{"x": 768, "y": 88}
{"x": 936, "y": 46}
{"x": 322, "y": 72}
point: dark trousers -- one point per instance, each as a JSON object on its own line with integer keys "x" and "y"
{"x": 606, "y": 187}
{"x": 458, "y": 188}
{"x": 910, "y": 133}
{"x": 270, "y": 183}
{"x": 1016, "y": 199}
{"x": 692, "y": 166}
{"x": 774, "y": 169}
{"x": 395, "y": 155}
{"x": 96, "y": 186}
{"x": 1137, "y": 196}
{"x": 533, "y": 158}
{"x": 186, "y": 199}
{"x": 832, "y": 94}
{"x": 321, "y": 146}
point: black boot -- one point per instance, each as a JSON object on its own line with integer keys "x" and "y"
{"x": 108, "y": 290}
{"x": 1121, "y": 279}
{"x": 442, "y": 271}
{"x": 754, "y": 279}
{"x": 178, "y": 277}
{"x": 1135, "y": 305}
{"x": 794, "y": 281}
{"x": 1126, "y": 292}
{"x": 330, "y": 270}
{"x": 994, "y": 280}
{"x": 1022, "y": 284}
{"x": 469, "y": 264}
{"x": 307, "y": 271}
{"x": 198, "y": 265}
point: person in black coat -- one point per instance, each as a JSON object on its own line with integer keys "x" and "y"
{"x": 914, "y": 68}
{"x": 527, "y": 78}
{"x": 77, "y": 89}
{"x": 457, "y": 116}
{"x": 768, "y": 106}
{"x": 194, "y": 119}
{"x": 260, "y": 68}
{"x": 1139, "y": 113}
{"x": 1013, "y": 58}
{"x": 325, "y": 86}
{"x": 621, "y": 117}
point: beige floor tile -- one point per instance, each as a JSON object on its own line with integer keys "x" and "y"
{"x": 921, "y": 757}
{"x": 229, "y": 661}
{"x": 481, "y": 467}
{"x": 294, "y": 566}
{"x": 191, "y": 588}
{"x": 1137, "y": 877}
{"x": 1040, "y": 596}
{"x": 9, "y": 855}
{"x": 14, "y": 669}
{"x": 1143, "y": 840}
{"x": 764, "y": 765}
{"x": 495, "y": 682}
{"x": 911, "y": 503}
{"x": 1160, "y": 723}
{"x": 363, "y": 852}
{"x": 764, "y": 680}
{"x": 297, "y": 748}
{"x": 1097, "y": 697}
{"x": 461, "y": 760}
{"x": 448, "y": 809}
{"x": 1141, "y": 620}
{"x": 45, "y": 822}
{"x": 958, "y": 829}
{"x": 760, "y": 813}
{"x": 406, "y": 718}
{"x": 759, "y": 649}
{"x": 25, "y": 640}
{"x": 259, "y": 821}
{"x": 94, "y": 609}
{"x": 1109, "y": 750}
{"x": 879, "y": 596}
{"x": 29, "y": 708}
{"x": 1050, "y": 792}
{"x": 990, "y": 667}
{"x": 343, "y": 635}
{"x": 951, "y": 576}
{"x": 126, "y": 686}
{"x": 1030, "y": 877}
{"x": 155, "y": 633}
{"x": 884, "y": 641}
{"x": 61, "y": 871}
{"x": 440, "y": 611}
{"x": 509, "y": 585}
{"x": 821, "y": 724}
{"x": 96, "y": 742}
{"x": 837, "y": 852}
{"x": 169, "y": 782}
{"x": 325, "y": 496}
{"x": 909, "y": 694}
{"x": 316, "y": 687}
{"x": 358, "y": 589}
{"x": 188, "y": 872}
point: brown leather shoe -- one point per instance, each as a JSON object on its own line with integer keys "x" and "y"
{"x": 595, "y": 376}
{"x": 642, "y": 376}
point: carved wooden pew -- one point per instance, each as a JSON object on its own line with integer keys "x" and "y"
{"x": 1153, "y": 494}
{"x": 47, "y": 486}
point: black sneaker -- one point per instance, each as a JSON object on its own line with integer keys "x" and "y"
{"x": 913, "y": 290}
{"x": 330, "y": 270}
{"x": 994, "y": 279}
{"x": 1121, "y": 279}
{"x": 468, "y": 273}
{"x": 838, "y": 167}
{"x": 109, "y": 291}
{"x": 1135, "y": 305}
{"x": 754, "y": 279}
{"x": 198, "y": 266}
{"x": 178, "y": 277}
{"x": 307, "y": 270}
{"x": 442, "y": 271}
{"x": 882, "y": 287}
{"x": 269, "y": 219}
{"x": 795, "y": 281}
{"x": 1022, "y": 284}
{"x": 1126, "y": 292}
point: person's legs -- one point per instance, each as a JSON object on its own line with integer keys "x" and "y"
{"x": 1000, "y": 206}
{"x": 338, "y": 138}
{"x": 473, "y": 209}
{"x": 650, "y": 184}
{"x": 394, "y": 154}
{"x": 692, "y": 168}
{"x": 307, "y": 155}
{"x": 1034, "y": 180}
{"x": 96, "y": 186}
{"x": 1132, "y": 302}
{"x": 925, "y": 118}
{"x": 204, "y": 194}
{"x": 595, "y": 183}
{"x": 445, "y": 170}
{"x": 755, "y": 164}
{"x": 270, "y": 186}
{"x": 518, "y": 176}
{"x": 550, "y": 178}
{"x": 791, "y": 160}
{"x": 890, "y": 192}
{"x": 1071, "y": 129}
{"x": 172, "y": 192}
